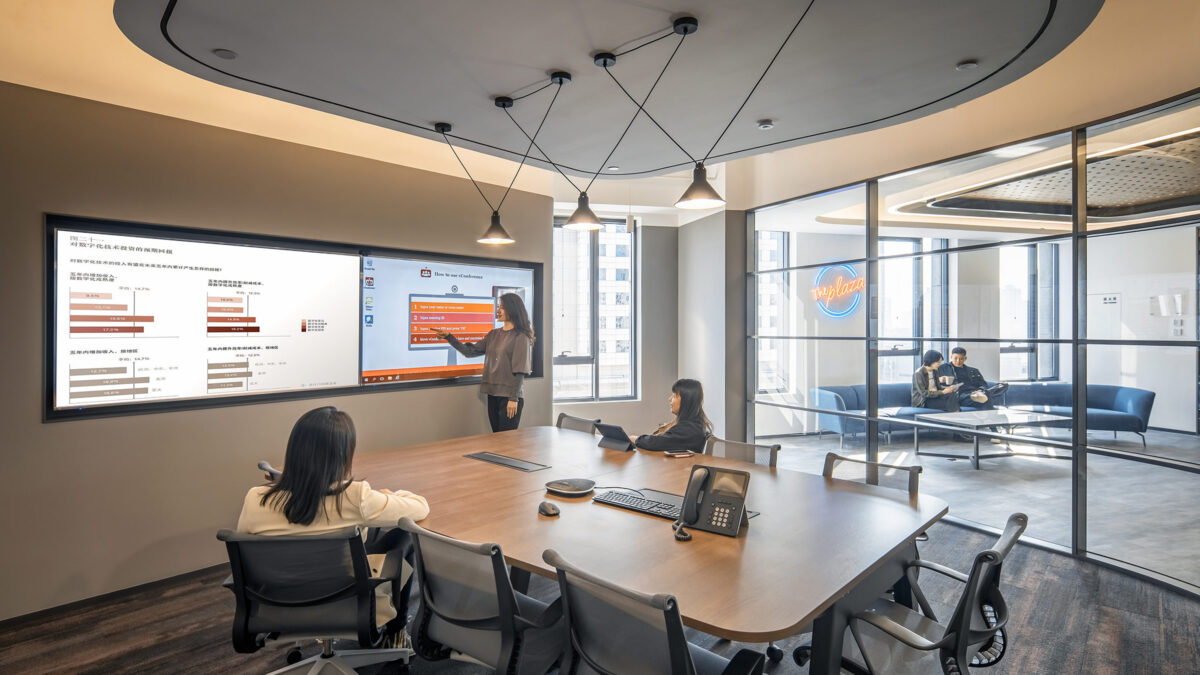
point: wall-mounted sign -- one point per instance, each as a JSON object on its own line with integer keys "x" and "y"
{"x": 838, "y": 290}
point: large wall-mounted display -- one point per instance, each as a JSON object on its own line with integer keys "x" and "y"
{"x": 145, "y": 318}
{"x": 405, "y": 299}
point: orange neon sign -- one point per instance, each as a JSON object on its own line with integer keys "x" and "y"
{"x": 840, "y": 288}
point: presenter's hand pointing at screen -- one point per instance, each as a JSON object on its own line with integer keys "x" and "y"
{"x": 443, "y": 334}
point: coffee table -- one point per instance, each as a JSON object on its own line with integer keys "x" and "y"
{"x": 1003, "y": 418}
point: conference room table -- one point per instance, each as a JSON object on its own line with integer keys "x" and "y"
{"x": 819, "y": 550}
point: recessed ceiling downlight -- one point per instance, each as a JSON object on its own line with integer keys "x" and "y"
{"x": 966, "y": 64}
{"x": 227, "y": 54}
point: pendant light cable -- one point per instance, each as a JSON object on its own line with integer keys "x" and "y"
{"x": 524, "y": 157}
{"x": 529, "y": 148}
{"x": 643, "y": 110}
{"x": 539, "y": 149}
{"x": 640, "y": 110}
{"x": 664, "y": 36}
{"x": 760, "y": 79}
{"x": 468, "y": 172}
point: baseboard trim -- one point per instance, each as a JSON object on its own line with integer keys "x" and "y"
{"x": 16, "y": 622}
{"x": 1174, "y": 431}
{"x": 802, "y": 433}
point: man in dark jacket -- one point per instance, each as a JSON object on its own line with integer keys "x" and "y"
{"x": 975, "y": 391}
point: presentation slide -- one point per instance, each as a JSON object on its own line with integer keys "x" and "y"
{"x": 403, "y": 299}
{"x": 141, "y": 319}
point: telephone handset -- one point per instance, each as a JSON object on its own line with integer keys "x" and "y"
{"x": 715, "y": 501}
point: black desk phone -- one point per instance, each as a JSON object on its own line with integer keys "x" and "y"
{"x": 715, "y": 500}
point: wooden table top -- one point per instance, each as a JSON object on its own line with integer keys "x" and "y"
{"x": 815, "y": 537}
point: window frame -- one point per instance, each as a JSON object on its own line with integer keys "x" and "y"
{"x": 593, "y": 359}
{"x": 1033, "y": 323}
{"x": 784, "y": 245}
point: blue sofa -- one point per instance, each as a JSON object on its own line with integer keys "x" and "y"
{"x": 1110, "y": 408}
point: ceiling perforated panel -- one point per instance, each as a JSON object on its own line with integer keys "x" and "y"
{"x": 1138, "y": 181}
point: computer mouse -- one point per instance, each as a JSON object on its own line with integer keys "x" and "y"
{"x": 548, "y": 509}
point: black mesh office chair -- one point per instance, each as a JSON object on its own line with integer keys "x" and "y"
{"x": 873, "y": 473}
{"x": 616, "y": 631}
{"x": 894, "y": 639}
{"x": 767, "y": 455}
{"x": 895, "y": 476}
{"x": 566, "y": 421}
{"x": 469, "y": 606}
{"x": 305, "y": 587}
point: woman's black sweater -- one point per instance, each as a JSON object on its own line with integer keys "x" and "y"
{"x": 685, "y": 435}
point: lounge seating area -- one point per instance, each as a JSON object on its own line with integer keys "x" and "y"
{"x": 1110, "y": 408}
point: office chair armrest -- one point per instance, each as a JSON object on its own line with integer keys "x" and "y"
{"x": 745, "y": 662}
{"x": 897, "y": 631}
{"x": 940, "y": 569}
{"x": 228, "y": 583}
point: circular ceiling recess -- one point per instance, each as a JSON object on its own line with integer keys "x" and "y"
{"x": 850, "y": 66}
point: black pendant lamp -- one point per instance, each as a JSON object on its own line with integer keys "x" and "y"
{"x": 700, "y": 194}
{"x": 583, "y": 218}
{"x": 495, "y": 234}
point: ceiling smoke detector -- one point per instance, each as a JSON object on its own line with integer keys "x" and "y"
{"x": 765, "y": 125}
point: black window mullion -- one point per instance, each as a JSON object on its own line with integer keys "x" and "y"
{"x": 594, "y": 276}
{"x": 1031, "y": 329}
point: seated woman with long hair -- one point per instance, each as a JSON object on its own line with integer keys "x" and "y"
{"x": 315, "y": 494}
{"x": 690, "y": 428}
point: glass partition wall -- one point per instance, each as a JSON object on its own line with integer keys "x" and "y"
{"x": 1077, "y": 326}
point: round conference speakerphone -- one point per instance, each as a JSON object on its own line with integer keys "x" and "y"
{"x": 570, "y": 487}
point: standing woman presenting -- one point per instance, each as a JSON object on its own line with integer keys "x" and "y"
{"x": 507, "y": 358}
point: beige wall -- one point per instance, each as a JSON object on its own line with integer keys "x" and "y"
{"x": 712, "y": 316}
{"x": 99, "y": 505}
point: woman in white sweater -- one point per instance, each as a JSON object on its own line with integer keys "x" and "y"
{"x": 315, "y": 494}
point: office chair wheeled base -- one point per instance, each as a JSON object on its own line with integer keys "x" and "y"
{"x": 803, "y": 653}
{"x": 343, "y": 662}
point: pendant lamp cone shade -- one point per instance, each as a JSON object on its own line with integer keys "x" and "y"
{"x": 700, "y": 195}
{"x": 583, "y": 218}
{"x": 496, "y": 234}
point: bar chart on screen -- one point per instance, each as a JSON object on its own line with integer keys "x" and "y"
{"x": 141, "y": 319}
{"x": 230, "y": 315}
{"x": 108, "y": 314}
{"x": 101, "y": 376}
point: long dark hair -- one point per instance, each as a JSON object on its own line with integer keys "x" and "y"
{"x": 319, "y": 454}
{"x": 514, "y": 309}
{"x": 691, "y": 402}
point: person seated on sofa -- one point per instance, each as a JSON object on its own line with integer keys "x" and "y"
{"x": 926, "y": 390}
{"x": 975, "y": 391}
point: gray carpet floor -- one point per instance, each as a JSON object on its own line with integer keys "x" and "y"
{"x": 1136, "y": 512}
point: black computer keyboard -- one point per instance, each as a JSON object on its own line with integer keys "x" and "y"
{"x": 633, "y": 502}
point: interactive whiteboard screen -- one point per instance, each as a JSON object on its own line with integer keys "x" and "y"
{"x": 141, "y": 319}
{"x": 403, "y": 299}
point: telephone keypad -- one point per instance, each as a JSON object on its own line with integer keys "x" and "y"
{"x": 720, "y": 516}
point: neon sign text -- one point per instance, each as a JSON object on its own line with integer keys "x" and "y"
{"x": 841, "y": 297}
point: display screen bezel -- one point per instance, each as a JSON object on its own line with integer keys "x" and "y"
{"x": 55, "y": 223}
